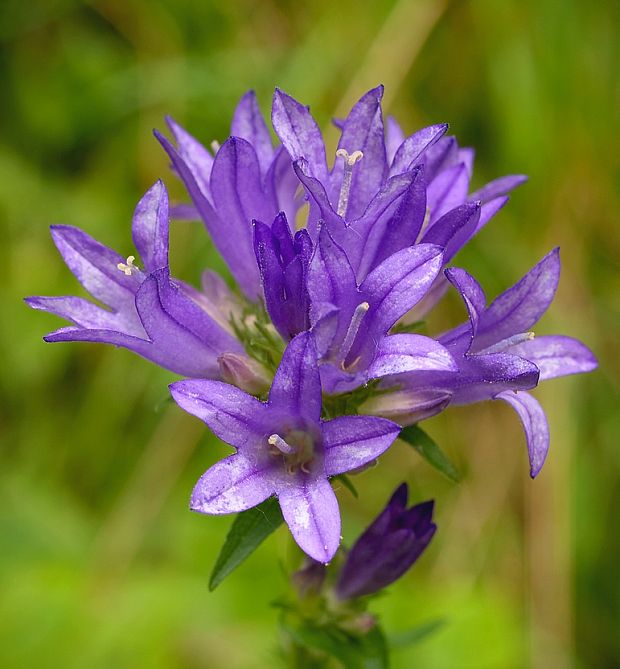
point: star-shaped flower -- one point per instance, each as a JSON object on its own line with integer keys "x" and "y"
{"x": 498, "y": 357}
{"x": 283, "y": 447}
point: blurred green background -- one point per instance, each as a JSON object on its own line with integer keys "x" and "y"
{"x": 101, "y": 563}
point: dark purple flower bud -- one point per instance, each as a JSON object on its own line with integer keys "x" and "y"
{"x": 283, "y": 264}
{"x": 388, "y": 548}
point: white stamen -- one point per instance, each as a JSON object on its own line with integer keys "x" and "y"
{"x": 508, "y": 342}
{"x": 215, "y": 146}
{"x": 349, "y": 160}
{"x": 129, "y": 267}
{"x": 277, "y": 441}
{"x": 354, "y": 326}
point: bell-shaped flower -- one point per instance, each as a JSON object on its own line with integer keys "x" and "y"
{"x": 246, "y": 179}
{"x": 498, "y": 357}
{"x": 385, "y": 191}
{"x": 351, "y": 322}
{"x": 283, "y": 448}
{"x": 148, "y": 312}
{"x": 387, "y": 548}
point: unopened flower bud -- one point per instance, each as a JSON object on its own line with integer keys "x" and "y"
{"x": 243, "y": 372}
{"x": 407, "y": 407}
{"x": 388, "y": 548}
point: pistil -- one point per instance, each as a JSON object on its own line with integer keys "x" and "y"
{"x": 277, "y": 441}
{"x": 349, "y": 160}
{"x": 353, "y": 329}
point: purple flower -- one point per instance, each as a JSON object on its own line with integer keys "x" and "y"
{"x": 247, "y": 179}
{"x": 386, "y": 192}
{"x": 149, "y": 313}
{"x": 283, "y": 448}
{"x": 351, "y": 322}
{"x": 283, "y": 263}
{"x": 387, "y": 548}
{"x": 498, "y": 357}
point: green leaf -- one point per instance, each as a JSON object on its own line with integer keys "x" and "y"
{"x": 415, "y": 634}
{"x": 428, "y": 449}
{"x": 249, "y": 529}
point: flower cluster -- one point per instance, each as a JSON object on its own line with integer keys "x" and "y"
{"x": 325, "y": 312}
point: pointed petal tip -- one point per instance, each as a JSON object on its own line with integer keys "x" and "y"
{"x": 400, "y": 496}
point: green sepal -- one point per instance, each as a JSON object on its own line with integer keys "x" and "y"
{"x": 354, "y": 651}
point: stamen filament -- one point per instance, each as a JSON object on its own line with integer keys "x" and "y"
{"x": 509, "y": 341}
{"x": 277, "y": 441}
{"x": 354, "y": 326}
{"x": 349, "y": 160}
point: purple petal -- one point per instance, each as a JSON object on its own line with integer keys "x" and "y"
{"x": 231, "y": 485}
{"x": 249, "y": 124}
{"x": 324, "y": 318}
{"x": 535, "y": 425}
{"x": 234, "y": 416}
{"x": 475, "y": 301}
{"x": 498, "y": 187}
{"x": 556, "y": 355}
{"x": 310, "y": 509}
{"x": 299, "y": 133}
{"x": 331, "y": 280}
{"x": 238, "y": 198}
{"x": 363, "y": 131}
{"x": 394, "y": 137}
{"x": 415, "y": 145}
{"x": 150, "y": 227}
{"x": 483, "y": 376}
{"x": 520, "y": 307}
{"x": 320, "y": 205}
{"x": 296, "y": 386}
{"x": 454, "y": 229}
{"x": 398, "y": 227}
{"x": 87, "y": 315}
{"x": 447, "y": 191}
{"x": 440, "y": 156}
{"x": 197, "y": 158}
{"x": 189, "y": 340}
{"x": 433, "y": 296}
{"x": 353, "y": 441}
{"x": 410, "y": 352}
{"x": 236, "y": 249}
{"x": 95, "y": 267}
{"x": 400, "y": 282}
{"x": 184, "y": 212}
{"x": 142, "y": 347}
{"x": 466, "y": 156}
{"x": 488, "y": 210}
{"x": 282, "y": 184}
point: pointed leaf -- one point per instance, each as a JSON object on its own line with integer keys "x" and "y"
{"x": 428, "y": 449}
{"x": 248, "y": 531}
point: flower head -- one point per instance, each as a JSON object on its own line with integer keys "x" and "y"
{"x": 283, "y": 447}
{"x": 388, "y": 547}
